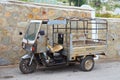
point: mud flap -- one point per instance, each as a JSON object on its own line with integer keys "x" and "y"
{"x": 26, "y": 56}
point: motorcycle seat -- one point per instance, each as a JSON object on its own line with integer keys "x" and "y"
{"x": 56, "y": 48}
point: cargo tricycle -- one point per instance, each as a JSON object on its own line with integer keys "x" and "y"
{"x": 63, "y": 41}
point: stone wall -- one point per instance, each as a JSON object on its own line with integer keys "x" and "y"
{"x": 14, "y": 17}
{"x": 113, "y": 37}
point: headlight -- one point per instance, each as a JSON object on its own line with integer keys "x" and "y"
{"x": 23, "y": 45}
{"x": 28, "y": 47}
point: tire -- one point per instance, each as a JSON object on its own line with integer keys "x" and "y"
{"x": 25, "y": 68}
{"x": 87, "y": 63}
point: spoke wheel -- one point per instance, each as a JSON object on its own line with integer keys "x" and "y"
{"x": 25, "y": 67}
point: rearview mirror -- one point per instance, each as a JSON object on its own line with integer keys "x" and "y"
{"x": 42, "y": 32}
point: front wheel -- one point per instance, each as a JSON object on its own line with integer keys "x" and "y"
{"x": 87, "y": 63}
{"x": 25, "y": 67}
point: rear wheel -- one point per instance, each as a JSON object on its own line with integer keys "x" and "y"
{"x": 87, "y": 63}
{"x": 25, "y": 67}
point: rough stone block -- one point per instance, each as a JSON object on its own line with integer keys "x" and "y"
{"x": 30, "y": 16}
{"x": 6, "y": 40}
{"x": 2, "y": 22}
{"x": 7, "y": 14}
{"x": 35, "y": 10}
{"x": 4, "y": 61}
{"x": 1, "y": 8}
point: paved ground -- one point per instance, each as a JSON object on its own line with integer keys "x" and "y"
{"x": 103, "y": 70}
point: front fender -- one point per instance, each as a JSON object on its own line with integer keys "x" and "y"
{"x": 26, "y": 56}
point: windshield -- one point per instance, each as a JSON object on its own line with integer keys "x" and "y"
{"x": 32, "y": 31}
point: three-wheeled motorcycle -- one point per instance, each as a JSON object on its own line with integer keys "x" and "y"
{"x": 63, "y": 41}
